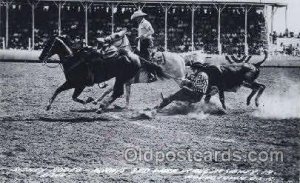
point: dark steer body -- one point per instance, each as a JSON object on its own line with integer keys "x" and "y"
{"x": 232, "y": 76}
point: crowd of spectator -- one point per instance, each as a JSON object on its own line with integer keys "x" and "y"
{"x": 100, "y": 24}
{"x": 287, "y": 43}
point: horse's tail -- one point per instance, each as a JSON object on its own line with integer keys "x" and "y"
{"x": 154, "y": 68}
{"x": 258, "y": 64}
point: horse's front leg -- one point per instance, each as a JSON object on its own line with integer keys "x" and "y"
{"x": 60, "y": 89}
{"x": 118, "y": 91}
{"x": 77, "y": 92}
{"x": 103, "y": 95}
{"x": 222, "y": 98}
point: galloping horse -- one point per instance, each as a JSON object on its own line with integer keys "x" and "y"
{"x": 172, "y": 64}
{"x": 78, "y": 68}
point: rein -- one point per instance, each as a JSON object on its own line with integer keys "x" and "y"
{"x": 45, "y": 60}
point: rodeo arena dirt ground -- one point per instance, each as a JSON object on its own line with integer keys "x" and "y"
{"x": 73, "y": 143}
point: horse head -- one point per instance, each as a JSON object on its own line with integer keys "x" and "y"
{"x": 55, "y": 45}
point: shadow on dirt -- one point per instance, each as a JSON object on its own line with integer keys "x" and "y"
{"x": 83, "y": 110}
{"x": 58, "y": 119}
{"x": 74, "y": 120}
{"x": 115, "y": 108}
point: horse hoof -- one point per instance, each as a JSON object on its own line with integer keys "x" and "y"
{"x": 48, "y": 108}
{"x": 118, "y": 107}
{"x": 148, "y": 109}
{"x": 158, "y": 109}
{"x": 248, "y": 102}
{"x": 222, "y": 112}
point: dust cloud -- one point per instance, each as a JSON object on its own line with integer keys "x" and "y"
{"x": 283, "y": 103}
{"x": 196, "y": 111}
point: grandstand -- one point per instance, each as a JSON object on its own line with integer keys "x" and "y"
{"x": 214, "y": 26}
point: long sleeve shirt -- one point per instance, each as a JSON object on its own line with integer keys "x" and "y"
{"x": 145, "y": 30}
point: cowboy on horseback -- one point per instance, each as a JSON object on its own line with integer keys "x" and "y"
{"x": 193, "y": 87}
{"x": 80, "y": 52}
{"x": 145, "y": 39}
{"x": 76, "y": 43}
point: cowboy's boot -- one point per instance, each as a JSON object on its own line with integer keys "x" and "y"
{"x": 164, "y": 103}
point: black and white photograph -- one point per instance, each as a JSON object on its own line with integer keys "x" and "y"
{"x": 150, "y": 91}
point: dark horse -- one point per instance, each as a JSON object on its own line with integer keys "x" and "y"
{"x": 88, "y": 67}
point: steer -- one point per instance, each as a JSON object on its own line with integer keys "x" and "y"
{"x": 231, "y": 77}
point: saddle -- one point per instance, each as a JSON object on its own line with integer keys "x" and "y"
{"x": 106, "y": 49}
{"x": 108, "y": 52}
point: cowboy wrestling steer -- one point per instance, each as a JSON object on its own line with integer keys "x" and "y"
{"x": 231, "y": 77}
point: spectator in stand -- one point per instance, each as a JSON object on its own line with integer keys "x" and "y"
{"x": 179, "y": 35}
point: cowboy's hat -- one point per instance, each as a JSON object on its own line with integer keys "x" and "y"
{"x": 138, "y": 13}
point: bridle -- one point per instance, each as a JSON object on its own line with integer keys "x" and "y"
{"x": 45, "y": 60}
